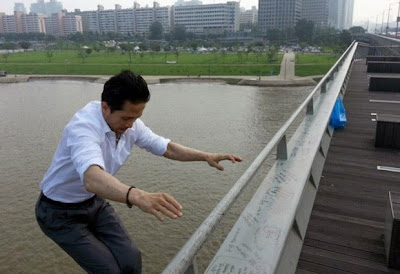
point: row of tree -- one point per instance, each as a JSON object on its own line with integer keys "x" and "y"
{"x": 304, "y": 33}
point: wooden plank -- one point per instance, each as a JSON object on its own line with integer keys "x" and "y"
{"x": 346, "y": 242}
{"x": 380, "y": 258}
{"x": 347, "y": 223}
{"x": 341, "y": 261}
{"x": 318, "y": 268}
{"x": 347, "y": 219}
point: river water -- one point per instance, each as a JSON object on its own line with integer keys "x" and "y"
{"x": 208, "y": 116}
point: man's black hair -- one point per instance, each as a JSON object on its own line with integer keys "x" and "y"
{"x": 125, "y": 86}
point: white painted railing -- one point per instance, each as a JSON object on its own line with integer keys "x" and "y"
{"x": 275, "y": 220}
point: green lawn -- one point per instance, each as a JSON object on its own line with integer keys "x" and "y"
{"x": 314, "y": 64}
{"x": 102, "y": 63}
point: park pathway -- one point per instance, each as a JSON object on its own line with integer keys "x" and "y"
{"x": 287, "y": 66}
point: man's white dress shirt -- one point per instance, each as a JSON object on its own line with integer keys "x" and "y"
{"x": 88, "y": 140}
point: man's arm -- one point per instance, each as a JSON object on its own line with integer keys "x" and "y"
{"x": 105, "y": 185}
{"x": 181, "y": 153}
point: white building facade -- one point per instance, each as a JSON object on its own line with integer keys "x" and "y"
{"x": 208, "y": 19}
{"x": 341, "y": 14}
{"x": 249, "y": 16}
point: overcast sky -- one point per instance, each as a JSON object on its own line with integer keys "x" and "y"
{"x": 364, "y": 10}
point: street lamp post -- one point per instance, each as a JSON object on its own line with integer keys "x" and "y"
{"x": 397, "y": 20}
{"x": 387, "y": 25}
{"x": 383, "y": 15}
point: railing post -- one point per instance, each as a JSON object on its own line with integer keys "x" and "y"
{"x": 323, "y": 88}
{"x": 282, "y": 149}
{"x": 193, "y": 269}
{"x": 310, "y": 107}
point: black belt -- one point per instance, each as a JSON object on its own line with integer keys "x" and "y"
{"x": 61, "y": 204}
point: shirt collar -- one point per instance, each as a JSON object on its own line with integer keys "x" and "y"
{"x": 104, "y": 126}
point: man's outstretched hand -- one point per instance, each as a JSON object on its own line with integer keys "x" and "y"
{"x": 214, "y": 158}
{"x": 158, "y": 204}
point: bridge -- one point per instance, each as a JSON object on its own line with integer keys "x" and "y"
{"x": 322, "y": 207}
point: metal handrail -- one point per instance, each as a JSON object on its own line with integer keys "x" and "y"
{"x": 183, "y": 259}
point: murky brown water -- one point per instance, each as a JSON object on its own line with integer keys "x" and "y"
{"x": 210, "y": 117}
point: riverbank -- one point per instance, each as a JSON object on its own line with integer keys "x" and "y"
{"x": 265, "y": 81}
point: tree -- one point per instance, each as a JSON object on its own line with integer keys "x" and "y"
{"x": 194, "y": 45}
{"x": 356, "y": 29}
{"x": 129, "y": 48}
{"x": 9, "y": 46}
{"x": 274, "y": 35}
{"x": 155, "y": 47}
{"x": 156, "y": 30}
{"x": 345, "y": 37}
{"x": 97, "y": 48}
{"x": 82, "y": 53}
{"x": 49, "y": 54}
{"x": 179, "y": 33}
{"x": 141, "y": 56}
{"x": 177, "y": 54}
{"x": 304, "y": 30}
{"x": 5, "y": 56}
{"x": 271, "y": 53}
{"x": 25, "y": 45}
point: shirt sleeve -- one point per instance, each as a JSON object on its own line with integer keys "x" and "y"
{"x": 148, "y": 140}
{"x": 84, "y": 145}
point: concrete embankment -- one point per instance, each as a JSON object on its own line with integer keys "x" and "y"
{"x": 269, "y": 81}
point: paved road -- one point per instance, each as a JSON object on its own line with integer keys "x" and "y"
{"x": 287, "y": 66}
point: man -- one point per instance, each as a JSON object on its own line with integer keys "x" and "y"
{"x": 72, "y": 210}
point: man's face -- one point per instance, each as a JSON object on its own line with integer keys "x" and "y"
{"x": 121, "y": 120}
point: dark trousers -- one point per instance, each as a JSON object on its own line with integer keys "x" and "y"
{"x": 91, "y": 233}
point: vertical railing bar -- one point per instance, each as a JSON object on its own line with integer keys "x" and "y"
{"x": 310, "y": 107}
{"x": 281, "y": 149}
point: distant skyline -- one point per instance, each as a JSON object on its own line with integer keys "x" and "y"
{"x": 364, "y": 10}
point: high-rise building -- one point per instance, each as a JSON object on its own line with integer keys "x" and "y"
{"x": 208, "y": 19}
{"x": 316, "y": 11}
{"x": 126, "y": 21}
{"x": 188, "y": 3}
{"x": 19, "y": 7}
{"x": 249, "y": 16}
{"x": 2, "y": 16}
{"x": 46, "y": 8}
{"x": 72, "y": 24}
{"x": 278, "y": 14}
{"x": 341, "y": 13}
{"x": 33, "y": 22}
{"x": 61, "y": 24}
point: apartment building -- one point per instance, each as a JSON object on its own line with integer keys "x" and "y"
{"x": 126, "y": 21}
{"x": 72, "y": 24}
{"x": 199, "y": 19}
{"x": 208, "y": 19}
{"x": 33, "y": 22}
{"x": 316, "y": 11}
{"x": 278, "y": 14}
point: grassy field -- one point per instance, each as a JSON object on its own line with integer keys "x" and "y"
{"x": 314, "y": 64}
{"x": 101, "y": 63}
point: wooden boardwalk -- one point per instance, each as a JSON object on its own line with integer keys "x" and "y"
{"x": 345, "y": 233}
